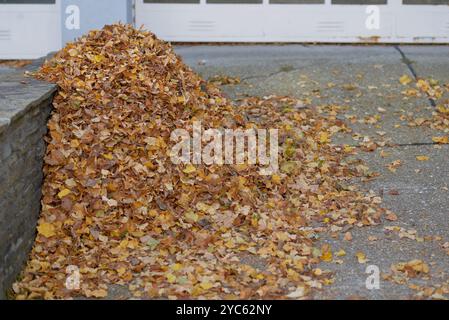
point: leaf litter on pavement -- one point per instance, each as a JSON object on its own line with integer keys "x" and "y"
{"x": 116, "y": 207}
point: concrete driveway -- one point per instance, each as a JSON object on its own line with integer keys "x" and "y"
{"x": 365, "y": 81}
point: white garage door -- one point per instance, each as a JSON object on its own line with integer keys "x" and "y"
{"x": 29, "y": 28}
{"x": 411, "y": 21}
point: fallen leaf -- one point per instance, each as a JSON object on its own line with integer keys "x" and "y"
{"x": 326, "y": 253}
{"x": 391, "y": 217}
{"x": 298, "y": 293}
{"x": 63, "y": 193}
{"x": 394, "y": 165}
{"x": 171, "y": 278}
{"x": 361, "y": 257}
{"x": 441, "y": 140}
{"x": 189, "y": 169}
{"x": 324, "y": 137}
{"x": 98, "y": 293}
{"x": 73, "y": 52}
{"x": 412, "y": 268}
{"x": 348, "y": 236}
{"x": 46, "y": 229}
{"x": 405, "y": 80}
{"x": 206, "y": 285}
{"x": 276, "y": 179}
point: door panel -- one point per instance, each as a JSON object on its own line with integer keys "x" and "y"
{"x": 29, "y": 28}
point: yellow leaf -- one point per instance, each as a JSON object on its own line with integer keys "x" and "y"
{"x": 197, "y": 290}
{"x": 121, "y": 271}
{"x": 348, "y": 148}
{"x": 46, "y": 229}
{"x": 149, "y": 165}
{"x": 327, "y": 257}
{"x": 171, "y": 278}
{"x": 340, "y": 253}
{"x": 230, "y": 244}
{"x": 442, "y": 109}
{"x": 422, "y": 158}
{"x": 288, "y": 167}
{"x": 63, "y": 193}
{"x": 405, "y": 80}
{"x": 324, "y": 137}
{"x": 326, "y": 253}
{"x": 419, "y": 266}
{"x": 123, "y": 244}
{"x": 73, "y": 52}
{"x": 176, "y": 267}
{"x": 206, "y": 285}
{"x": 181, "y": 99}
{"x": 98, "y": 58}
{"x": 189, "y": 169}
{"x": 192, "y": 216}
{"x": 282, "y": 236}
{"x": 108, "y": 156}
{"x": 290, "y": 151}
{"x": 74, "y": 143}
{"x": 361, "y": 257}
{"x": 441, "y": 140}
{"x": 276, "y": 179}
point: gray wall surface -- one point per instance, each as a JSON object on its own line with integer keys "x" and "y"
{"x": 25, "y": 105}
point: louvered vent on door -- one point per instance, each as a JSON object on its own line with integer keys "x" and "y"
{"x": 5, "y": 35}
{"x": 330, "y": 26}
{"x": 201, "y": 26}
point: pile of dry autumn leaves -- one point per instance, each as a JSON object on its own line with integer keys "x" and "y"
{"x": 116, "y": 207}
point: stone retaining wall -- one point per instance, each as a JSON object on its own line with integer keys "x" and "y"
{"x": 25, "y": 105}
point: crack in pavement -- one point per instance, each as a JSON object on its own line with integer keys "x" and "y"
{"x": 409, "y": 63}
{"x": 416, "y": 144}
{"x": 404, "y": 145}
